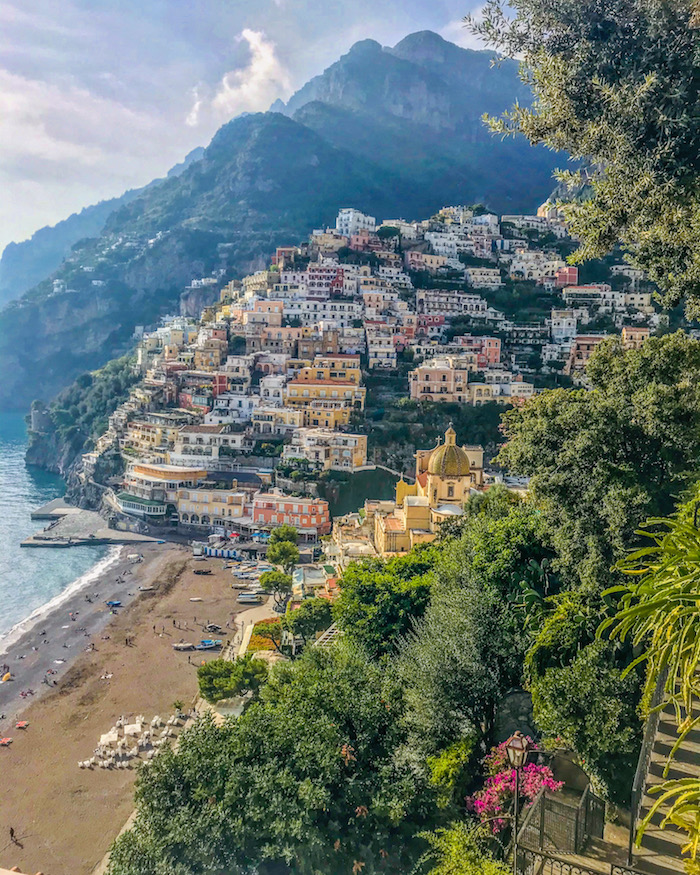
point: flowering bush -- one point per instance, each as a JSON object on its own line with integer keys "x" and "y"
{"x": 497, "y": 759}
{"x": 496, "y": 798}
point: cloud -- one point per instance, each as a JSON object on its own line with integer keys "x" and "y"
{"x": 63, "y": 147}
{"x": 251, "y": 88}
{"x": 456, "y": 32}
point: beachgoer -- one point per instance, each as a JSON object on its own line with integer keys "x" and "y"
{"x": 12, "y": 835}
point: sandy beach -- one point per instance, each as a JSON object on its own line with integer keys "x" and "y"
{"x": 65, "y": 818}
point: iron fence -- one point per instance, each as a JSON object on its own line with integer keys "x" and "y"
{"x": 531, "y": 862}
{"x": 552, "y": 824}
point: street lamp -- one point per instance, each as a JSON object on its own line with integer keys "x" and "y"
{"x": 517, "y": 748}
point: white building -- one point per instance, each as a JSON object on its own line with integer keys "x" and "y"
{"x": 563, "y": 325}
{"x": 351, "y": 221}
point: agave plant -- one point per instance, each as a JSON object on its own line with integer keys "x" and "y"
{"x": 683, "y": 799}
{"x": 660, "y": 612}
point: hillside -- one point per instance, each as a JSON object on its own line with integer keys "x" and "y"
{"x": 392, "y": 131}
{"x": 24, "y": 264}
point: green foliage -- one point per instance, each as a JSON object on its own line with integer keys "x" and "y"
{"x": 451, "y": 771}
{"x": 601, "y": 461}
{"x": 312, "y": 616}
{"x": 307, "y": 780}
{"x": 270, "y": 631}
{"x": 461, "y": 849}
{"x": 658, "y": 609}
{"x": 456, "y": 664}
{"x": 80, "y": 412}
{"x": 276, "y": 582}
{"x": 593, "y": 706}
{"x": 284, "y": 553}
{"x": 616, "y": 87}
{"x": 379, "y": 600}
{"x": 284, "y": 533}
{"x": 222, "y": 679}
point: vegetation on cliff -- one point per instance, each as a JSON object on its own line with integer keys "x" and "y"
{"x": 79, "y": 414}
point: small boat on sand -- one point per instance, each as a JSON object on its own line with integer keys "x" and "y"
{"x": 183, "y": 645}
{"x": 208, "y": 644}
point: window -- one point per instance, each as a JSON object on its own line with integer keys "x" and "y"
{"x": 450, "y": 491}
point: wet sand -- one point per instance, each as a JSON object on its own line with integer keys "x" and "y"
{"x": 66, "y": 818}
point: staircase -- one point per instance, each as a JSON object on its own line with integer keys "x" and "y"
{"x": 660, "y": 851}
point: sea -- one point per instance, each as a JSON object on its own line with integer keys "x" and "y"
{"x": 33, "y": 580}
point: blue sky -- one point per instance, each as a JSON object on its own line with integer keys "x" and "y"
{"x": 97, "y": 96}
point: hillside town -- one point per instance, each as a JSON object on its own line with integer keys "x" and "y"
{"x": 238, "y": 411}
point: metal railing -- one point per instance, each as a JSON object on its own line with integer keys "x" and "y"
{"x": 531, "y": 862}
{"x": 640, "y": 776}
{"x": 553, "y": 824}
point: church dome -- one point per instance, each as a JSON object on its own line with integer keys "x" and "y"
{"x": 449, "y": 460}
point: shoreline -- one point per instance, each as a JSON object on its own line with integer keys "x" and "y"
{"x": 30, "y": 655}
{"x": 92, "y": 575}
{"x": 66, "y": 817}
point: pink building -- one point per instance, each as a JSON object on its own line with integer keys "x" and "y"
{"x": 566, "y": 276}
{"x": 311, "y": 516}
{"x": 429, "y": 325}
{"x": 486, "y": 349}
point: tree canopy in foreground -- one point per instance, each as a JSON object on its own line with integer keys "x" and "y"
{"x": 616, "y": 84}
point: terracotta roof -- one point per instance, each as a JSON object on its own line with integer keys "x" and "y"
{"x": 422, "y": 478}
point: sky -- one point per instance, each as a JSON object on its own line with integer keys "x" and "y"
{"x": 98, "y": 96}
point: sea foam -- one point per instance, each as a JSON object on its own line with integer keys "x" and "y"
{"x": 91, "y": 576}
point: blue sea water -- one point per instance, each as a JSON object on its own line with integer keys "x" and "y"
{"x": 29, "y": 578}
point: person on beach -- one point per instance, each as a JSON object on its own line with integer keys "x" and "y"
{"x": 12, "y": 836}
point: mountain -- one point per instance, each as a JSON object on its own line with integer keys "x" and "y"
{"x": 417, "y": 108}
{"x": 393, "y": 131}
{"x": 25, "y": 264}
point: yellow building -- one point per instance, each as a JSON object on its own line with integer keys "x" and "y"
{"x": 209, "y": 506}
{"x": 330, "y": 393}
{"x": 445, "y": 477}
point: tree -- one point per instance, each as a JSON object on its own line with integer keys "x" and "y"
{"x": 312, "y": 616}
{"x": 455, "y": 665}
{"x": 276, "y": 582}
{"x": 307, "y": 780}
{"x": 270, "y": 631}
{"x": 285, "y": 532}
{"x": 223, "y": 679}
{"x": 379, "y": 600}
{"x": 461, "y": 849}
{"x": 284, "y": 553}
{"x": 592, "y": 704}
{"x": 616, "y": 85}
{"x": 601, "y": 461}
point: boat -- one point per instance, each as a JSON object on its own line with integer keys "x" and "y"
{"x": 213, "y": 627}
{"x": 114, "y": 604}
{"x": 202, "y": 571}
{"x": 183, "y": 645}
{"x": 196, "y": 599}
{"x": 208, "y": 644}
{"x": 146, "y": 588}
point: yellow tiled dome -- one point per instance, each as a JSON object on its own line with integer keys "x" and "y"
{"x": 449, "y": 460}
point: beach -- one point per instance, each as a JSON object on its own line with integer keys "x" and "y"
{"x": 65, "y": 818}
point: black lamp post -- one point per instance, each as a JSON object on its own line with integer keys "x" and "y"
{"x": 517, "y": 748}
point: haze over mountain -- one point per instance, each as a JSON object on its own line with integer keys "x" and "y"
{"x": 392, "y": 131}
{"x": 25, "y": 264}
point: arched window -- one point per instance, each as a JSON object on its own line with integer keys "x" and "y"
{"x": 184, "y": 518}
